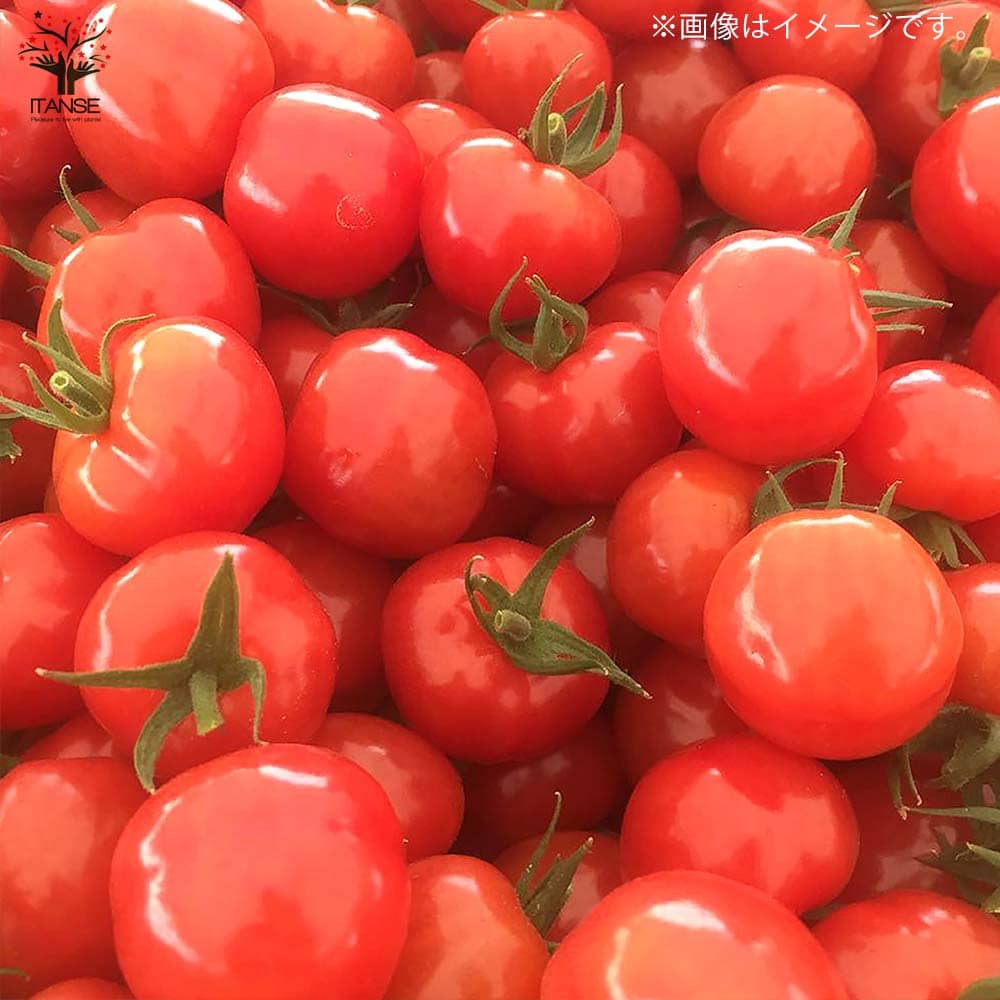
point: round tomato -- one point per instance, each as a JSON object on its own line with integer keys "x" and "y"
{"x": 461, "y": 18}
{"x": 80, "y": 736}
{"x": 288, "y": 346}
{"x": 832, "y": 633}
{"x": 341, "y": 215}
{"x": 638, "y": 299}
{"x": 452, "y": 329}
{"x": 435, "y": 125}
{"x": 299, "y": 892}
{"x": 977, "y": 590}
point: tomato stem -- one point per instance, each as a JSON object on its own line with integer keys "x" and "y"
{"x": 969, "y": 71}
{"x": 76, "y": 207}
{"x": 985, "y": 989}
{"x": 36, "y": 268}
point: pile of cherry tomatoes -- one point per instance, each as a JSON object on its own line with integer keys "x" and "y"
{"x": 499, "y": 500}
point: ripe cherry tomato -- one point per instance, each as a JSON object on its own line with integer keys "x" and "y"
{"x": 435, "y": 125}
{"x": 513, "y": 58}
{"x": 48, "y": 574}
{"x": 300, "y": 891}
{"x": 832, "y": 633}
{"x": 352, "y": 587}
{"x": 33, "y": 146}
{"x": 890, "y": 843}
{"x": 84, "y": 989}
{"x": 488, "y": 204}
{"x": 467, "y": 937}
{"x": 741, "y": 807}
{"x": 668, "y": 535}
{"x": 59, "y": 822}
{"x": 645, "y": 196}
{"x": 507, "y": 803}
{"x": 439, "y": 78}
{"x": 353, "y": 47}
{"x": 634, "y": 18}
{"x": 461, "y": 18}
{"x": 984, "y": 347}
{"x": 341, "y": 215}
{"x": 787, "y": 152}
{"x": 956, "y": 191}
{"x": 80, "y": 736}
{"x": 934, "y": 427}
{"x": 452, "y": 329}
{"x": 638, "y": 299}
{"x": 768, "y": 349}
{"x": 406, "y": 477}
{"x": 672, "y": 89}
{"x": 423, "y": 787}
{"x": 910, "y": 945}
{"x": 599, "y": 872}
{"x": 692, "y": 935}
{"x": 148, "y": 613}
{"x": 977, "y": 590}
{"x": 582, "y": 432}
{"x": 685, "y": 707}
{"x": 119, "y": 272}
{"x": 288, "y": 346}
{"x": 153, "y": 141}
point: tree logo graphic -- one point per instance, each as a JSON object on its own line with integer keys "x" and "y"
{"x": 70, "y": 54}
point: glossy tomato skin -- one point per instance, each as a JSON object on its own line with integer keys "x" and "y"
{"x": 685, "y": 707}
{"x": 672, "y": 91}
{"x": 194, "y": 385}
{"x": 119, "y": 272}
{"x": 984, "y": 347}
{"x": 977, "y": 590}
{"x": 436, "y": 124}
{"x": 148, "y": 612}
{"x": 769, "y": 352}
{"x": 439, "y": 77}
{"x": 956, "y": 192}
{"x": 692, "y": 935}
{"x": 513, "y": 59}
{"x": 910, "y": 945}
{"x": 359, "y": 49}
{"x": 75, "y": 810}
{"x": 79, "y": 736}
{"x": 640, "y": 299}
{"x": 288, "y": 345}
{"x": 599, "y": 872}
{"x": 48, "y": 574}
{"x": 582, "y": 432}
{"x": 633, "y": 18}
{"x": 642, "y": 191}
{"x": 787, "y": 152}
{"x": 300, "y": 892}
{"x": 456, "y": 687}
{"x": 740, "y": 807}
{"x": 352, "y": 587}
{"x": 852, "y": 640}
{"x": 569, "y": 233}
{"x": 890, "y": 843}
{"x": 407, "y": 478}
{"x": 152, "y": 141}
{"x": 934, "y": 427}
{"x": 31, "y": 150}
{"x": 84, "y": 989}
{"x": 901, "y": 99}
{"x": 467, "y": 936}
{"x": 421, "y": 783}
{"x": 340, "y": 217}
{"x": 669, "y": 532}
{"x": 507, "y": 803}
{"x": 452, "y": 329}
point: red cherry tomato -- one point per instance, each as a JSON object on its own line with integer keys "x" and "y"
{"x": 352, "y": 587}
{"x": 84, "y": 989}
{"x": 148, "y": 613}
{"x": 638, "y": 299}
{"x": 119, "y": 272}
{"x": 507, "y": 803}
{"x": 910, "y": 944}
{"x": 956, "y": 192}
{"x": 300, "y": 891}
{"x": 787, "y": 152}
{"x": 934, "y": 427}
{"x": 353, "y": 47}
{"x": 984, "y": 347}
{"x": 341, "y": 215}
{"x": 467, "y": 936}
{"x": 461, "y": 18}
{"x": 901, "y": 99}
{"x": 48, "y": 574}
{"x": 288, "y": 346}
{"x": 406, "y": 477}
{"x": 891, "y": 844}
{"x": 634, "y": 18}
{"x": 769, "y": 352}
{"x": 645, "y": 196}
{"x": 59, "y": 822}
{"x": 692, "y": 935}
{"x": 80, "y": 736}
{"x": 33, "y": 146}
{"x": 740, "y": 807}
{"x": 672, "y": 89}
{"x": 668, "y": 535}
{"x": 513, "y": 58}
{"x": 977, "y": 591}
{"x": 832, "y": 633}
{"x": 423, "y": 787}
{"x": 685, "y": 707}
{"x": 487, "y": 204}
{"x": 452, "y": 329}
{"x": 439, "y": 77}
{"x": 435, "y": 125}
{"x": 599, "y": 872}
